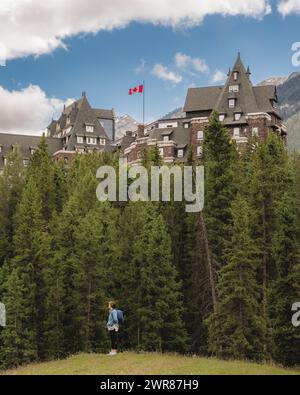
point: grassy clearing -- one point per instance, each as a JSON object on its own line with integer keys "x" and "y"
{"x": 147, "y": 363}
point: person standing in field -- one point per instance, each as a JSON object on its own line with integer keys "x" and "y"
{"x": 115, "y": 318}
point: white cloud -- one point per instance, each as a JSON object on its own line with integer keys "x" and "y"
{"x": 184, "y": 62}
{"x": 287, "y": 7}
{"x": 200, "y": 65}
{"x": 162, "y": 72}
{"x": 27, "y": 111}
{"x": 35, "y": 27}
{"x": 219, "y": 76}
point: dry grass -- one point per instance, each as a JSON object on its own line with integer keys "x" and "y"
{"x": 147, "y": 363}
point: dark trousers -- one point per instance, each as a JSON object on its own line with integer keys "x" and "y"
{"x": 114, "y": 337}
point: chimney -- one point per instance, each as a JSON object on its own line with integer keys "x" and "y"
{"x": 141, "y": 131}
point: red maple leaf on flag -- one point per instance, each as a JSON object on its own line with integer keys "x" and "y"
{"x": 139, "y": 89}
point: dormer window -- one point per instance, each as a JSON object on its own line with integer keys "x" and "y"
{"x": 90, "y": 128}
{"x": 79, "y": 139}
{"x": 180, "y": 153}
{"x": 102, "y": 142}
{"x": 234, "y": 88}
{"x": 186, "y": 125}
{"x": 91, "y": 141}
{"x": 237, "y": 116}
{"x": 222, "y": 117}
{"x": 68, "y": 120}
{"x": 235, "y": 75}
{"x": 166, "y": 139}
{"x": 57, "y": 127}
{"x": 231, "y": 103}
{"x": 32, "y": 150}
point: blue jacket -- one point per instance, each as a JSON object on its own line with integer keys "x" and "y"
{"x": 113, "y": 318}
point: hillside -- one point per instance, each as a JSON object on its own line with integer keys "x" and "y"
{"x": 130, "y": 364}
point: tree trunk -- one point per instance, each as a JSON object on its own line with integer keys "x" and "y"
{"x": 210, "y": 265}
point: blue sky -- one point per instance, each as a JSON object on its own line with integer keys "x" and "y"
{"x": 105, "y": 64}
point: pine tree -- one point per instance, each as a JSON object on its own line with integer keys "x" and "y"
{"x": 219, "y": 157}
{"x": 61, "y": 324}
{"x": 41, "y": 167}
{"x": 26, "y": 269}
{"x": 271, "y": 178}
{"x": 159, "y": 295}
{"x": 11, "y": 184}
{"x": 236, "y": 329}
{"x": 285, "y": 290}
{"x": 95, "y": 256}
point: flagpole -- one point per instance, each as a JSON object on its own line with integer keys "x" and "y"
{"x": 144, "y": 103}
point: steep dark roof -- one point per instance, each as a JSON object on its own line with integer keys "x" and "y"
{"x": 85, "y": 116}
{"x": 202, "y": 99}
{"x": 180, "y": 135}
{"x": 8, "y": 141}
{"x": 249, "y": 99}
{"x": 103, "y": 114}
{"x": 264, "y": 97}
{"x": 245, "y": 97}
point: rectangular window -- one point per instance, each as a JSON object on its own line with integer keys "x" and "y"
{"x": 237, "y": 116}
{"x": 186, "y": 125}
{"x": 91, "y": 141}
{"x": 221, "y": 117}
{"x": 0, "y": 148}
{"x": 200, "y": 135}
{"x": 79, "y": 140}
{"x": 68, "y": 120}
{"x": 90, "y": 128}
{"x": 231, "y": 103}
{"x": 102, "y": 142}
{"x": 236, "y": 132}
{"x": 180, "y": 153}
{"x": 32, "y": 151}
{"x": 199, "y": 150}
{"x": 235, "y": 76}
{"x": 166, "y": 139}
{"x": 234, "y": 88}
{"x": 254, "y": 132}
{"x": 161, "y": 152}
{"x": 25, "y": 162}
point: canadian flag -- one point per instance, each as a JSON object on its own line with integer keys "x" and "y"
{"x": 136, "y": 89}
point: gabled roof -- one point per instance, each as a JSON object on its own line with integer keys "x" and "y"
{"x": 249, "y": 99}
{"x": 202, "y": 99}
{"x": 104, "y": 114}
{"x": 245, "y": 96}
{"x": 26, "y": 143}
